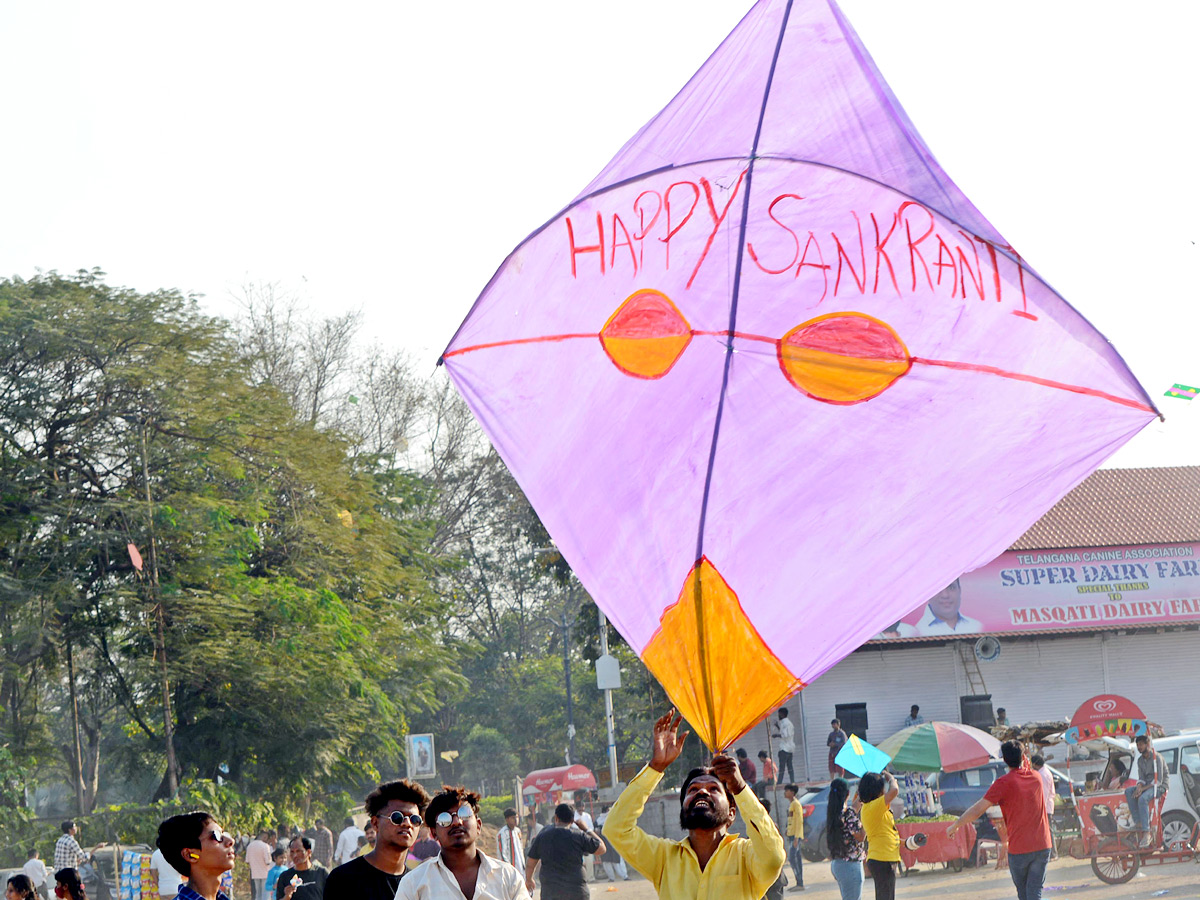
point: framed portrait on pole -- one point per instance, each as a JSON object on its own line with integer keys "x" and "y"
{"x": 422, "y": 763}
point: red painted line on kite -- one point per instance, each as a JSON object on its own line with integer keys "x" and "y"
{"x": 1032, "y": 379}
{"x": 943, "y": 363}
{"x": 547, "y": 339}
{"x": 556, "y": 339}
{"x": 745, "y": 336}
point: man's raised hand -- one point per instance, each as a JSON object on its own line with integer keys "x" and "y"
{"x": 726, "y": 769}
{"x": 667, "y": 742}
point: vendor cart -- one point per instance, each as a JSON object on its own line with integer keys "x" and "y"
{"x": 939, "y": 847}
{"x": 935, "y": 747}
{"x": 1108, "y": 836}
{"x": 1108, "y": 839}
{"x": 553, "y": 785}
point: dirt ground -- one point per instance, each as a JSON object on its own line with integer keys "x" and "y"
{"x": 1066, "y": 879}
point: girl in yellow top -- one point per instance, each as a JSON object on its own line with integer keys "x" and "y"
{"x": 876, "y": 793}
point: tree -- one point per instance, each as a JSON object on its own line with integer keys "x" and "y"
{"x": 488, "y": 756}
{"x": 292, "y": 591}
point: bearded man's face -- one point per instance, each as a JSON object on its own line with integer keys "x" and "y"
{"x": 705, "y": 805}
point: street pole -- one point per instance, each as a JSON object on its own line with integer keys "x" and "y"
{"x": 608, "y": 709}
{"x": 566, "y": 626}
{"x": 776, "y": 810}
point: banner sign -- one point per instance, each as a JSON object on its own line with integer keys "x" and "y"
{"x": 1108, "y": 715}
{"x": 1052, "y": 590}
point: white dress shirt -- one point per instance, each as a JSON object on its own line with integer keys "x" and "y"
{"x": 433, "y": 881}
{"x": 35, "y": 870}
{"x": 932, "y": 625}
{"x": 787, "y": 735}
{"x": 347, "y": 844}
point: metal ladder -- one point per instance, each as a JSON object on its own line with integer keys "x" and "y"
{"x": 975, "y": 682}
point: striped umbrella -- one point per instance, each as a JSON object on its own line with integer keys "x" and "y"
{"x": 940, "y": 746}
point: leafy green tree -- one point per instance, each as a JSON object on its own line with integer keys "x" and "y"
{"x": 292, "y": 593}
{"x": 488, "y": 756}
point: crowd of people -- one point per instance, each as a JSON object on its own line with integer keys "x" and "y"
{"x": 420, "y": 847}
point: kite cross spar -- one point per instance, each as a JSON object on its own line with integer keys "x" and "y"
{"x": 771, "y": 380}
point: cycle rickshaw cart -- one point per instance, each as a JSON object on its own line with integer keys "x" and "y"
{"x": 1108, "y": 834}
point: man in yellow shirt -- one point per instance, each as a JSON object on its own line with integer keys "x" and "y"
{"x": 710, "y": 863}
{"x": 795, "y": 834}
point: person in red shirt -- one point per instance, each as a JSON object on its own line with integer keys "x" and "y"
{"x": 768, "y": 775}
{"x": 747, "y": 767}
{"x": 1021, "y": 798}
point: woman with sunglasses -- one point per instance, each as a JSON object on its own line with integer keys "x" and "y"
{"x": 395, "y": 809}
{"x": 68, "y": 886}
{"x": 194, "y": 845}
{"x": 461, "y": 870}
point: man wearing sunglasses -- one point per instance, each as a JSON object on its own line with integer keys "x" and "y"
{"x": 395, "y": 809}
{"x": 461, "y": 871}
{"x": 196, "y": 846}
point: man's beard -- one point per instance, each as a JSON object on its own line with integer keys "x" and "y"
{"x": 703, "y": 817}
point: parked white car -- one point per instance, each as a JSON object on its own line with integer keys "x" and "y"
{"x": 1181, "y": 752}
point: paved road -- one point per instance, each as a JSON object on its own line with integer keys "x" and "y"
{"x": 1066, "y": 880}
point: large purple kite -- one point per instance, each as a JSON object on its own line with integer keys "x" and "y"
{"x": 771, "y": 380}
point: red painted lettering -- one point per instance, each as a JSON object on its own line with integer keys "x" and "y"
{"x": 1023, "y": 312}
{"x": 641, "y": 213}
{"x": 913, "y": 253}
{"x": 628, "y": 242}
{"x": 671, "y": 232}
{"x": 945, "y": 252}
{"x": 881, "y": 253}
{"x": 977, "y": 275}
{"x": 813, "y": 242}
{"x": 995, "y": 268}
{"x": 861, "y": 282}
{"x": 717, "y": 220}
{"x": 592, "y": 248}
{"x": 795, "y": 239}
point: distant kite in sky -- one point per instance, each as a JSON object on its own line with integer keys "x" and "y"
{"x": 1182, "y": 392}
{"x": 771, "y": 381}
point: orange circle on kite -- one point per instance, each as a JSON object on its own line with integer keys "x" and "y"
{"x": 646, "y": 335}
{"x": 843, "y": 358}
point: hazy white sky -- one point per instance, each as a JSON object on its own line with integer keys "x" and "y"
{"x": 387, "y": 156}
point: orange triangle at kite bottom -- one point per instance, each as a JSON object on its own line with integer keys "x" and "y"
{"x": 712, "y": 662}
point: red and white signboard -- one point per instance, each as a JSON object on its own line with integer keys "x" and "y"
{"x": 562, "y": 778}
{"x": 1080, "y": 589}
{"x": 1107, "y": 715}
